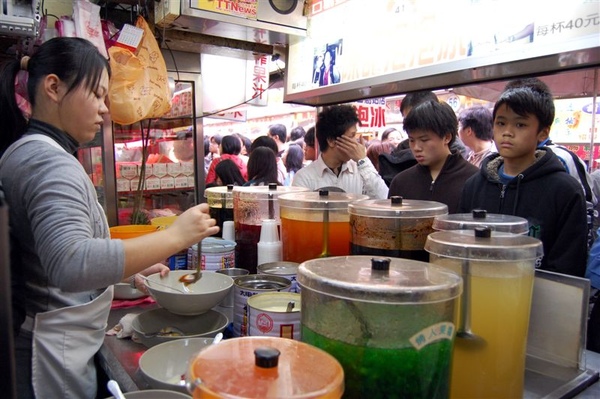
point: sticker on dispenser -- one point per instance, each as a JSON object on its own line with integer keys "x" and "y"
{"x": 436, "y": 332}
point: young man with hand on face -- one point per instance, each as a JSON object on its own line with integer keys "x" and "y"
{"x": 343, "y": 161}
{"x": 439, "y": 174}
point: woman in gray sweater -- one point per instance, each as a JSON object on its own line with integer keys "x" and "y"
{"x": 62, "y": 257}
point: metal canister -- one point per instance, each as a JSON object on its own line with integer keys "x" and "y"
{"x": 216, "y": 254}
{"x": 274, "y": 314}
{"x": 246, "y": 286}
{"x": 288, "y": 270}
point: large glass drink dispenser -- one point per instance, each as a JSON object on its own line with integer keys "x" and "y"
{"x": 252, "y": 205}
{"x": 315, "y": 224}
{"x": 220, "y": 205}
{"x": 393, "y": 227}
{"x": 389, "y": 322}
{"x": 497, "y": 270}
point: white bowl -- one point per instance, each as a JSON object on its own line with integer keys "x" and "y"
{"x": 164, "y": 365}
{"x": 154, "y": 394}
{"x": 198, "y": 297}
{"x": 147, "y": 324}
{"x": 126, "y": 291}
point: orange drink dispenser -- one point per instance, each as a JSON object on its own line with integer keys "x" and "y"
{"x": 393, "y": 227}
{"x": 252, "y": 205}
{"x": 498, "y": 271}
{"x": 315, "y": 224}
{"x": 390, "y": 322}
{"x": 264, "y": 367}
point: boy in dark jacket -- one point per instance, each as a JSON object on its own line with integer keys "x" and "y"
{"x": 439, "y": 174}
{"x": 532, "y": 183}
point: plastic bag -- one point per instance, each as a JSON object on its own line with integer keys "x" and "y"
{"x": 139, "y": 85}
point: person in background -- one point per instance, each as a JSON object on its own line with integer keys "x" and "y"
{"x": 310, "y": 152}
{"x": 262, "y": 167}
{"x": 393, "y": 136}
{"x": 376, "y": 148}
{"x": 267, "y": 141}
{"x": 229, "y": 149}
{"x": 293, "y": 160}
{"x": 246, "y": 144}
{"x": 297, "y": 135}
{"x": 439, "y": 174}
{"x": 278, "y": 132}
{"x": 227, "y": 173}
{"x": 63, "y": 261}
{"x": 343, "y": 161}
{"x": 212, "y": 153}
{"x": 530, "y": 182}
{"x": 475, "y": 129}
{"x": 592, "y": 273}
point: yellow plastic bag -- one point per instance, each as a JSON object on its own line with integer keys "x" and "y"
{"x": 139, "y": 85}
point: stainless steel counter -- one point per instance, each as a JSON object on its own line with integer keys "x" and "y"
{"x": 120, "y": 357}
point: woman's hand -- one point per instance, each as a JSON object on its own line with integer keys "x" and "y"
{"x": 194, "y": 225}
{"x": 140, "y": 283}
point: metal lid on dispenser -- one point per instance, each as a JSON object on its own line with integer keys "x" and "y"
{"x": 219, "y": 197}
{"x": 264, "y": 193}
{"x": 379, "y": 279}
{"x": 480, "y": 218}
{"x": 397, "y": 207}
{"x": 319, "y": 200}
{"x": 482, "y": 244}
{"x": 265, "y": 367}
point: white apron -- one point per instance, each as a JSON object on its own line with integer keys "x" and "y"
{"x": 65, "y": 340}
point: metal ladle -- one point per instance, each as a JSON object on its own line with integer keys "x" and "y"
{"x": 325, "y": 251}
{"x": 464, "y": 328}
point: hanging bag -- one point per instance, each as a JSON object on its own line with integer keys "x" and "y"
{"x": 139, "y": 86}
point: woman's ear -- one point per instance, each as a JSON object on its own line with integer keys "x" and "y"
{"x": 50, "y": 87}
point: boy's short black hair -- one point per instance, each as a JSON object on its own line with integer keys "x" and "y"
{"x": 528, "y": 96}
{"x": 333, "y": 123}
{"x": 413, "y": 99}
{"x": 309, "y": 137}
{"x": 434, "y": 116}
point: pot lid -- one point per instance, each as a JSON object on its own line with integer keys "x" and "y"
{"x": 319, "y": 200}
{"x": 266, "y": 367}
{"x": 482, "y": 244}
{"x": 219, "y": 191}
{"x": 264, "y": 193}
{"x": 479, "y": 217}
{"x": 397, "y": 207}
{"x": 378, "y": 279}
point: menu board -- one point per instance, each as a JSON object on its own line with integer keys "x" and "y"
{"x": 353, "y": 42}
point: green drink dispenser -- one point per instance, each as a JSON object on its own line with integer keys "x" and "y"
{"x": 390, "y": 322}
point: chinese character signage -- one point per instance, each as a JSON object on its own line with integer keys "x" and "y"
{"x": 257, "y": 79}
{"x": 391, "y": 40}
{"x": 371, "y": 112}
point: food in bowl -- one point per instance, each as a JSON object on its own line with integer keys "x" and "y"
{"x": 188, "y": 299}
{"x": 164, "y": 366}
{"x": 157, "y": 326}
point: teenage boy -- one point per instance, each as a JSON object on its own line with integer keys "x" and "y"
{"x": 531, "y": 182}
{"x": 439, "y": 174}
{"x": 343, "y": 162}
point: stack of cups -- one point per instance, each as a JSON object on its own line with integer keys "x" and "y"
{"x": 269, "y": 247}
{"x": 228, "y": 231}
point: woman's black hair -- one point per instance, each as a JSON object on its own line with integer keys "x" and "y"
{"x": 229, "y": 173}
{"x": 75, "y": 61}
{"x": 231, "y": 145}
{"x": 262, "y": 166}
{"x": 294, "y": 158}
